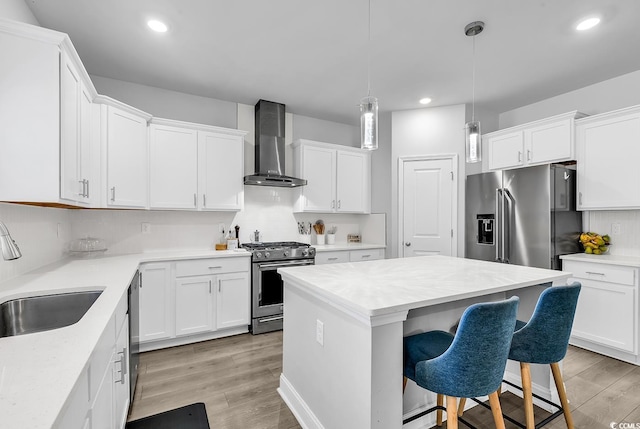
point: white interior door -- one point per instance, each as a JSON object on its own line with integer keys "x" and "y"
{"x": 426, "y": 200}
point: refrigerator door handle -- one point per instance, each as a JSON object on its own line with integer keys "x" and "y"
{"x": 509, "y": 203}
{"x": 499, "y": 225}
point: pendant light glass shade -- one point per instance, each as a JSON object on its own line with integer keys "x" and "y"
{"x": 472, "y": 138}
{"x": 369, "y": 123}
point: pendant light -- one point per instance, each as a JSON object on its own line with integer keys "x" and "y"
{"x": 472, "y": 133}
{"x": 369, "y": 105}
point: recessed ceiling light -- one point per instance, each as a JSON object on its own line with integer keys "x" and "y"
{"x": 425, "y": 100}
{"x": 587, "y": 24}
{"x": 158, "y": 26}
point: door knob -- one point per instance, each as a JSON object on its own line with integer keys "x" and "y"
{"x": 408, "y": 243}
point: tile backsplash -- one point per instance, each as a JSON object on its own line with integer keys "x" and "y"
{"x": 627, "y": 242}
{"x": 41, "y": 234}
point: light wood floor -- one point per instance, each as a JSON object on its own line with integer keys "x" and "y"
{"x": 237, "y": 377}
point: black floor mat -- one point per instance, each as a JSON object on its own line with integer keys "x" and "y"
{"x": 192, "y": 416}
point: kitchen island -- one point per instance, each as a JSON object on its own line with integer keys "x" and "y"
{"x": 344, "y": 324}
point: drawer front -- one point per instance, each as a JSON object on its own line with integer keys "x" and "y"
{"x": 366, "y": 255}
{"x": 200, "y": 267}
{"x": 602, "y": 272}
{"x": 332, "y": 257}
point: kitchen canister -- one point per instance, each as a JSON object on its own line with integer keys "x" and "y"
{"x": 331, "y": 239}
{"x": 320, "y": 239}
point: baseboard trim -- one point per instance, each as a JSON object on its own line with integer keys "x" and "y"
{"x": 296, "y": 404}
{"x": 190, "y": 339}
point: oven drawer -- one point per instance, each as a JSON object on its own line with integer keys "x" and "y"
{"x": 200, "y": 267}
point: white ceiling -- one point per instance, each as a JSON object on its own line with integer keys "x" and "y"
{"x": 312, "y": 55}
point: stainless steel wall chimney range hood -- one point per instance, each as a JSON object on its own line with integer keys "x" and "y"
{"x": 269, "y": 141}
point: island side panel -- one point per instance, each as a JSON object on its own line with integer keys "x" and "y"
{"x": 353, "y": 380}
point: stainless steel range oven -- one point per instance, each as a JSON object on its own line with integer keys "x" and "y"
{"x": 266, "y": 283}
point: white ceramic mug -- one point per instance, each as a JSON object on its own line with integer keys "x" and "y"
{"x": 331, "y": 239}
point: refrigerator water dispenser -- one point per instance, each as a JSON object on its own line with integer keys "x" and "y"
{"x": 485, "y": 228}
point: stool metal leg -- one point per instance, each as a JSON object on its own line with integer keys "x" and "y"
{"x": 557, "y": 377}
{"x": 404, "y": 384}
{"x": 496, "y": 410}
{"x": 527, "y": 394}
{"x": 452, "y": 412}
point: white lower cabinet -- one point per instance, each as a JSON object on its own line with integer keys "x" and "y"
{"x": 193, "y": 300}
{"x": 232, "y": 300}
{"x": 156, "y": 302}
{"x": 194, "y": 305}
{"x": 100, "y": 399}
{"x": 606, "y": 319}
{"x": 337, "y": 256}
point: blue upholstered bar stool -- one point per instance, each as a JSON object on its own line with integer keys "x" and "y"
{"x": 544, "y": 340}
{"x": 466, "y": 365}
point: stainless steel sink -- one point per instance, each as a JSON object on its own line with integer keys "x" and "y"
{"x": 42, "y": 313}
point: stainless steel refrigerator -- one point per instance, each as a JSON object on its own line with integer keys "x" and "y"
{"x": 525, "y": 216}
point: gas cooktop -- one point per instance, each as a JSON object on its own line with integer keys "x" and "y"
{"x": 280, "y": 250}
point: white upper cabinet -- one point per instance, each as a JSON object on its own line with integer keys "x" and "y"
{"x": 75, "y": 133}
{"x": 608, "y": 147}
{"x": 338, "y": 178}
{"x": 221, "y": 169}
{"x": 173, "y": 164}
{"x": 540, "y": 142}
{"x": 195, "y": 167}
{"x": 125, "y": 156}
{"x": 45, "y": 118}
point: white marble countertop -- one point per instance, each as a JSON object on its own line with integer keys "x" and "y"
{"x": 346, "y": 246}
{"x": 627, "y": 261}
{"x": 38, "y": 371}
{"x": 387, "y": 286}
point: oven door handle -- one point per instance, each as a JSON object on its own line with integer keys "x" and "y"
{"x": 284, "y": 264}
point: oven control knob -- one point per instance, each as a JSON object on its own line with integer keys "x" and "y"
{"x": 267, "y": 254}
{"x": 285, "y": 253}
{"x": 305, "y": 252}
{"x": 258, "y": 255}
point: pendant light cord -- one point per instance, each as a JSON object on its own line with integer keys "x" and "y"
{"x": 473, "y": 82}
{"x": 369, "y": 54}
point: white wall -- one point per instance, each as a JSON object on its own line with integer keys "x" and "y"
{"x": 18, "y": 11}
{"x": 612, "y": 94}
{"x": 35, "y": 230}
{"x": 164, "y": 103}
{"x": 428, "y": 131}
{"x": 325, "y": 131}
{"x": 605, "y": 96}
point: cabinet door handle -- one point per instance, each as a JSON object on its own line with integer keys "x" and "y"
{"x": 113, "y": 193}
{"x": 408, "y": 243}
{"x": 519, "y": 156}
{"x": 333, "y": 204}
{"x": 366, "y": 256}
{"x": 595, "y": 273}
{"x": 209, "y": 286}
{"x": 580, "y": 198}
{"x": 528, "y": 155}
{"x": 123, "y": 365}
{"x": 217, "y": 267}
{"x": 81, "y": 193}
{"x": 204, "y": 200}
{"x": 87, "y": 180}
{"x": 195, "y": 200}
{"x": 339, "y": 203}
{"x": 219, "y": 286}
{"x": 332, "y": 259}
{"x": 140, "y": 279}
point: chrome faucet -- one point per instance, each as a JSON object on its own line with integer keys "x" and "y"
{"x": 10, "y": 250}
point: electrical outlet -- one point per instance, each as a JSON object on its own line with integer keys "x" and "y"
{"x": 221, "y": 227}
{"x": 615, "y": 229}
{"x": 320, "y": 332}
{"x": 146, "y": 228}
